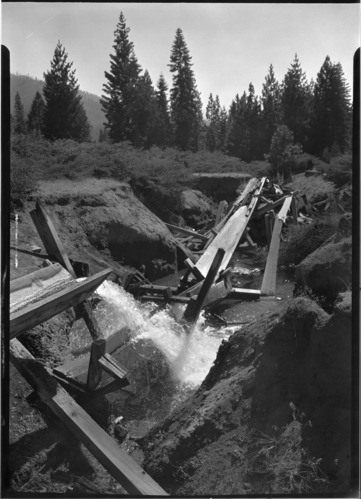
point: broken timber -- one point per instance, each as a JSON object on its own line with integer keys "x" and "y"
{"x": 231, "y": 233}
{"x": 33, "y": 314}
{"x": 194, "y": 308}
{"x": 54, "y": 248}
{"x": 119, "y": 464}
{"x": 268, "y": 287}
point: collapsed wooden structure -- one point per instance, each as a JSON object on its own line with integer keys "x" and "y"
{"x": 255, "y": 218}
{"x": 40, "y": 296}
{"x": 53, "y": 289}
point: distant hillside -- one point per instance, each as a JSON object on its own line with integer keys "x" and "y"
{"x": 27, "y": 88}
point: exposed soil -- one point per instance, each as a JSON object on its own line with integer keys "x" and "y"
{"x": 272, "y": 416}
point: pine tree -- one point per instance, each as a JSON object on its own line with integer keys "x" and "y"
{"x": 237, "y": 136}
{"x": 64, "y": 116}
{"x": 271, "y": 107}
{"x": 186, "y": 106}
{"x": 143, "y": 112}
{"x": 252, "y": 149}
{"x": 36, "y": 115}
{"x": 19, "y": 125}
{"x": 163, "y": 125}
{"x": 331, "y": 111}
{"x": 120, "y": 90}
{"x": 296, "y": 99}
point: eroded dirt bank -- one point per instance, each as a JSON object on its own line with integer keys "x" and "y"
{"x": 272, "y": 416}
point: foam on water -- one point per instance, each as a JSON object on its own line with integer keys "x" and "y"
{"x": 189, "y": 352}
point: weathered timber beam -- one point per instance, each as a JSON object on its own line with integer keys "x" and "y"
{"x": 230, "y": 234}
{"x": 40, "y": 311}
{"x": 49, "y": 237}
{"x": 112, "y": 367}
{"x": 77, "y": 368}
{"x": 54, "y": 247}
{"x": 28, "y": 287}
{"x": 118, "y": 463}
{"x": 194, "y": 308}
{"x": 187, "y": 232}
{"x": 264, "y": 208}
{"x": 194, "y": 269}
{"x": 241, "y": 293}
{"x": 268, "y": 287}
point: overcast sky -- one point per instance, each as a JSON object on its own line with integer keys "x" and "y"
{"x": 231, "y": 44}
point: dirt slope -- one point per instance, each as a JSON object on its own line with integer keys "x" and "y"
{"x": 273, "y": 414}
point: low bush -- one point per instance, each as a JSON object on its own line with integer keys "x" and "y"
{"x": 316, "y": 188}
{"x": 302, "y": 240}
{"x": 339, "y": 170}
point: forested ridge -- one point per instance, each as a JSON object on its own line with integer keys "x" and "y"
{"x": 317, "y": 113}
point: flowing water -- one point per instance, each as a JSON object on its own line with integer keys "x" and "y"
{"x": 167, "y": 361}
{"x": 190, "y": 352}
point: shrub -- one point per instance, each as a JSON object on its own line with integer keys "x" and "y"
{"x": 339, "y": 170}
{"x": 302, "y": 240}
{"x": 315, "y": 188}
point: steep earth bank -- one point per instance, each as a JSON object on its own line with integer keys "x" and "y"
{"x": 272, "y": 416}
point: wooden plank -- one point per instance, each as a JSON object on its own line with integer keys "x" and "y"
{"x": 294, "y": 210}
{"x": 54, "y": 247}
{"x": 244, "y": 293}
{"x": 172, "y": 299}
{"x": 118, "y": 463}
{"x": 42, "y": 310}
{"x": 268, "y": 287}
{"x": 112, "y": 367}
{"x": 95, "y": 369}
{"x": 221, "y": 212}
{"x": 187, "y": 232}
{"x": 194, "y": 269}
{"x": 37, "y": 285}
{"x": 230, "y": 235}
{"x": 193, "y": 309}
{"x": 78, "y": 368}
{"x": 49, "y": 237}
{"x": 217, "y": 293}
{"x": 261, "y": 210}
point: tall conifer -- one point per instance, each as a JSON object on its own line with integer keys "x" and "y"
{"x": 19, "y": 125}
{"x": 186, "y": 106}
{"x": 64, "y": 116}
{"x": 296, "y": 97}
{"x": 331, "y": 111}
{"x": 120, "y": 90}
{"x": 36, "y": 115}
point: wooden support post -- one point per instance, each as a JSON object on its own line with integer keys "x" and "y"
{"x": 268, "y": 287}
{"x": 54, "y": 247}
{"x": 221, "y": 212}
{"x": 118, "y": 463}
{"x": 267, "y": 221}
{"x": 294, "y": 210}
{"x": 95, "y": 369}
{"x": 194, "y": 308}
{"x": 49, "y": 237}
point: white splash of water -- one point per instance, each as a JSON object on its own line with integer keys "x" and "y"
{"x": 189, "y": 352}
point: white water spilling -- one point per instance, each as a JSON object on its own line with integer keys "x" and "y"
{"x": 190, "y": 354}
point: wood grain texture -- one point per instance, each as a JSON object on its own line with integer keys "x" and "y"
{"x": 119, "y": 464}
